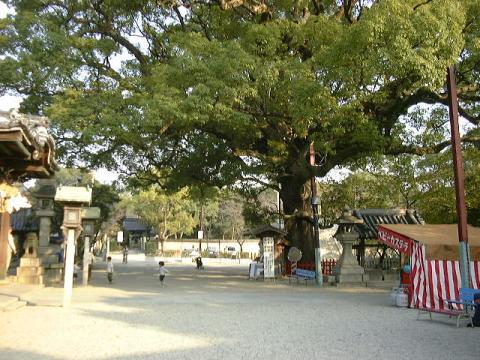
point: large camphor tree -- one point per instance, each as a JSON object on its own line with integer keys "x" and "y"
{"x": 222, "y": 91}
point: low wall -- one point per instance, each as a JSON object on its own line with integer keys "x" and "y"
{"x": 250, "y": 246}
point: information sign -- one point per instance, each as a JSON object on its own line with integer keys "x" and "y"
{"x": 268, "y": 258}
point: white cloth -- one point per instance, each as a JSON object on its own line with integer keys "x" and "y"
{"x": 11, "y": 243}
{"x": 110, "y": 267}
{"x": 163, "y": 271}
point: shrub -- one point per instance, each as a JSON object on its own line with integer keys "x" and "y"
{"x": 151, "y": 248}
{"x": 115, "y": 246}
{"x": 169, "y": 253}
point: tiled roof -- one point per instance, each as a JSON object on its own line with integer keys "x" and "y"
{"x": 24, "y": 220}
{"x": 266, "y": 230}
{"x": 134, "y": 225}
{"x": 373, "y": 217}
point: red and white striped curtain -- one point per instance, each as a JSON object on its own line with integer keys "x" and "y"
{"x": 437, "y": 280}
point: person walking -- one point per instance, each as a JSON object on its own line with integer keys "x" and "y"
{"x": 91, "y": 261}
{"x": 109, "y": 269}
{"x": 162, "y": 271}
{"x": 125, "y": 254}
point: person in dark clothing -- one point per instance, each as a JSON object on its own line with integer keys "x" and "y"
{"x": 476, "y": 314}
{"x": 199, "y": 262}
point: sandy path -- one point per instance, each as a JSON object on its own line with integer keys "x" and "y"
{"x": 218, "y": 314}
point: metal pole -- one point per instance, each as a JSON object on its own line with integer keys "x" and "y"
{"x": 318, "y": 255}
{"x": 69, "y": 263}
{"x": 86, "y": 259}
{"x": 459, "y": 178}
{"x": 201, "y": 228}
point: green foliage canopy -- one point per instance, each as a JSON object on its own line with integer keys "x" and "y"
{"x": 218, "y": 91}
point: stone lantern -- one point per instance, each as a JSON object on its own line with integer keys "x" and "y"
{"x": 44, "y": 211}
{"x": 73, "y": 198}
{"x": 347, "y": 270}
{"x": 89, "y": 217}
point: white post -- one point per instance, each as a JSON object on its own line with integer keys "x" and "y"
{"x": 86, "y": 260}
{"x": 69, "y": 261}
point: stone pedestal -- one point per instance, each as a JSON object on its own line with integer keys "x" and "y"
{"x": 45, "y": 250}
{"x": 347, "y": 270}
{"x": 30, "y": 271}
{"x": 53, "y": 274}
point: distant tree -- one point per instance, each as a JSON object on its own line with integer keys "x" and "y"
{"x": 171, "y": 215}
{"x": 230, "y": 221}
{"x": 261, "y": 206}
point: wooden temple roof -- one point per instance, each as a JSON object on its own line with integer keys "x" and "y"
{"x": 373, "y": 217}
{"x": 26, "y": 148}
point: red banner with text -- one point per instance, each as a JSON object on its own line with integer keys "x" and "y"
{"x": 395, "y": 240}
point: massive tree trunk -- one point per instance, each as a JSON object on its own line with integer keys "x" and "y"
{"x": 295, "y": 195}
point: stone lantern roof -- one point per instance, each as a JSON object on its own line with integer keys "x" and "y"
{"x": 26, "y": 148}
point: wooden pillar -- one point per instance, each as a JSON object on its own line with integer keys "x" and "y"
{"x": 4, "y": 231}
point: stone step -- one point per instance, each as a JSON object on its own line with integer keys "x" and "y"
{"x": 49, "y": 259}
{"x": 6, "y": 300}
{"x": 56, "y": 266}
{"x": 386, "y": 285}
{"x": 33, "y": 280}
{"x": 15, "y": 305}
{"x": 29, "y": 271}
{"x": 350, "y": 284}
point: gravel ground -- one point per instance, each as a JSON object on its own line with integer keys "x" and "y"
{"x": 219, "y": 314}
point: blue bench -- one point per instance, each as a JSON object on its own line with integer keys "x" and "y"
{"x": 302, "y": 274}
{"x": 466, "y": 299}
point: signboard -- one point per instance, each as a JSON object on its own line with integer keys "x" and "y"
{"x": 120, "y": 236}
{"x": 200, "y": 234}
{"x": 268, "y": 258}
{"x": 395, "y": 240}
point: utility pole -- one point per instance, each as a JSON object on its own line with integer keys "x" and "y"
{"x": 200, "y": 233}
{"x": 316, "y": 233}
{"x": 459, "y": 178}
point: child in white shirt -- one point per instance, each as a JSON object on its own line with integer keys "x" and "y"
{"x": 109, "y": 269}
{"x": 162, "y": 271}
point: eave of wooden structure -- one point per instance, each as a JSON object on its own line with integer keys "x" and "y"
{"x": 22, "y": 156}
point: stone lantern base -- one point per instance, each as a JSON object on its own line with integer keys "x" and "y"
{"x": 347, "y": 271}
{"x": 30, "y": 271}
{"x": 354, "y": 278}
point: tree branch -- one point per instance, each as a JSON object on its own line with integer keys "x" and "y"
{"x": 434, "y": 149}
{"x": 421, "y": 4}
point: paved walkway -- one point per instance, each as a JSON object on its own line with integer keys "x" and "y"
{"x": 219, "y": 314}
